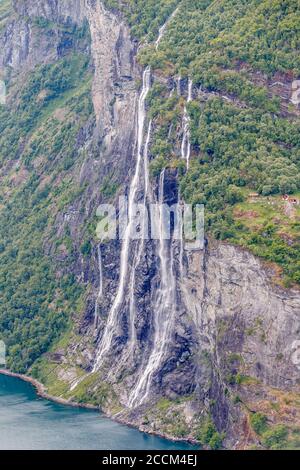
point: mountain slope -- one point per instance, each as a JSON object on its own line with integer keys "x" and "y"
{"x": 243, "y": 60}
{"x": 228, "y": 333}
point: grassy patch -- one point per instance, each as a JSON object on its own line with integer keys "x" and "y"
{"x": 274, "y": 437}
{"x": 258, "y": 422}
{"x": 90, "y": 390}
{"x": 164, "y": 404}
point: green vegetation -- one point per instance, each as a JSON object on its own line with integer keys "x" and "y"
{"x": 240, "y": 144}
{"x": 258, "y": 422}
{"x": 5, "y": 10}
{"x": 86, "y": 248}
{"x": 208, "y": 435}
{"x": 109, "y": 188}
{"x": 236, "y": 152}
{"x": 144, "y": 17}
{"x": 269, "y": 231}
{"x": 164, "y": 404}
{"x": 210, "y": 36}
{"x": 276, "y": 436}
{"x": 90, "y": 391}
{"x": 47, "y": 89}
{"x": 46, "y": 373}
{"x": 39, "y": 129}
{"x": 242, "y": 151}
{"x": 170, "y": 418}
{"x": 247, "y": 148}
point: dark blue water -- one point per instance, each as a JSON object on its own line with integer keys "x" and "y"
{"x": 30, "y": 422}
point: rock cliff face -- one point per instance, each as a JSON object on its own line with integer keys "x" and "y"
{"x": 53, "y": 10}
{"x": 114, "y": 91}
{"x": 232, "y": 334}
{"x": 19, "y": 45}
{"x": 244, "y": 323}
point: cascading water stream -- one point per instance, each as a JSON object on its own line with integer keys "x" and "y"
{"x": 190, "y": 91}
{"x": 179, "y": 86}
{"x": 112, "y": 320}
{"x": 185, "y": 155}
{"x": 96, "y": 310}
{"x": 164, "y": 27}
{"x": 164, "y": 308}
{"x": 186, "y": 141}
{"x": 165, "y": 299}
{"x": 181, "y": 244}
{"x": 142, "y": 241}
{"x": 100, "y": 291}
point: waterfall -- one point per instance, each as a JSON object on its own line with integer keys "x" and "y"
{"x": 164, "y": 308}
{"x": 100, "y": 291}
{"x": 185, "y": 154}
{"x": 190, "y": 91}
{"x": 82, "y": 269}
{"x": 186, "y": 141}
{"x": 164, "y": 303}
{"x": 163, "y": 28}
{"x": 142, "y": 241}
{"x": 111, "y": 324}
{"x": 181, "y": 244}
{"x": 179, "y": 86}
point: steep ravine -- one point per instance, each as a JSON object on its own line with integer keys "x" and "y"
{"x": 215, "y": 343}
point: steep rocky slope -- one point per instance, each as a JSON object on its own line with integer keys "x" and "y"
{"x": 199, "y": 356}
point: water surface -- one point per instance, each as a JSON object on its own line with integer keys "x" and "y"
{"x": 33, "y": 423}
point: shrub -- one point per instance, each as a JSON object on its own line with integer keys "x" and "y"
{"x": 276, "y": 437}
{"x": 258, "y": 422}
{"x": 86, "y": 248}
{"x": 216, "y": 441}
{"x": 208, "y": 435}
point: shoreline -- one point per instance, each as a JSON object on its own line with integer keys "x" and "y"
{"x": 41, "y": 392}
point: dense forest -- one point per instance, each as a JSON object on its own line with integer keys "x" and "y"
{"x": 245, "y": 139}
{"x": 35, "y": 304}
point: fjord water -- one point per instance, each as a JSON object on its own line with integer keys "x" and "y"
{"x": 28, "y": 422}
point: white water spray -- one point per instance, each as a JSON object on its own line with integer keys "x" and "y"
{"x": 179, "y": 86}
{"x": 100, "y": 291}
{"x": 96, "y": 310}
{"x": 186, "y": 141}
{"x": 162, "y": 30}
{"x": 164, "y": 309}
{"x": 142, "y": 241}
{"x": 165, "y": 299}
{"x": 110, "y": 327}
